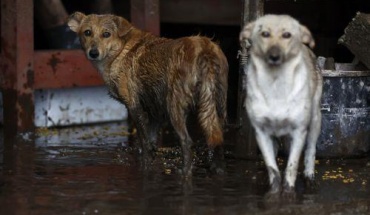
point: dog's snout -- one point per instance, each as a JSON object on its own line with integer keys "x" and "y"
{"x": 274, "y": 55}
{"x": 94, "y": 53}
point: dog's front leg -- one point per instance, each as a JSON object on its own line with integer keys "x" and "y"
{"x": 153, "y": 130}
{"x": 266, "y": 145}
{"x": 298, "y": 137}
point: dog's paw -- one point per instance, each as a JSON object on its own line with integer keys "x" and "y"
{"x": 147, "y": 163}
{"x": 311, "y": 184}
{"x": 272, "y": 196}
{"x": 217, "y": 168}
{"x": 289, "y": 194}
{"x": 186, "y": 172}
{"x": 217, "y": 171}
{"x": 187, "y": 186}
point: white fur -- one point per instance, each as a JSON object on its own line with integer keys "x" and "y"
{"x": 283, "y": 100}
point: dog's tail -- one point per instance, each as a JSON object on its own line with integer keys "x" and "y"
{"x": 212, "y": 94}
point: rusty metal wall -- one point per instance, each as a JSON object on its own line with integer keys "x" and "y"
{"x": 17, "y": 65}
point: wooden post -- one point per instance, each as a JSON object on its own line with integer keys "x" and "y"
{"x": 246, "y": 146}
{"x": 17, "y": 65}
{"x": 145, "y": 15}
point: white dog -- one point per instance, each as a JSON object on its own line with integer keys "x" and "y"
{"x": 283, "y": 95}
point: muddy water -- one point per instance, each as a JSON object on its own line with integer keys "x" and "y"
{"x": 92, "y": 170}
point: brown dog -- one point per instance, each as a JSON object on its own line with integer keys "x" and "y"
{"x": 158, "y": 78}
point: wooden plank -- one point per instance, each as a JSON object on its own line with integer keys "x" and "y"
{"x": 246, "y": 145}
{"x": 63, "y": 69}
{"x": 215, "y": 12}
{"x": 346, "y": 73}
{"x": 17, "y": 65}
{"x": 145, "y": 15}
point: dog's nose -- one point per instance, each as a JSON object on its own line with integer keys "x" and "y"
{"x": 94, "y": 53}
{"x": 274, "y": 55}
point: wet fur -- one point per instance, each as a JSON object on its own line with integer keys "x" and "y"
{"x": 283, "y": 95}
{"x": 159, "y": 78}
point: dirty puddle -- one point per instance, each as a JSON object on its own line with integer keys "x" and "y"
{"x": 92, "y": 170}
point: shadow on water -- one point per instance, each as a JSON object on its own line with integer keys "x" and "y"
{"x": 92, "y": 170}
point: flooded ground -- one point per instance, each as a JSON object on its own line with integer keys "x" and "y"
{"x": 92, "y": 170}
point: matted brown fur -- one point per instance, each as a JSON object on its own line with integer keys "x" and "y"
{"x": 158, "y": 78}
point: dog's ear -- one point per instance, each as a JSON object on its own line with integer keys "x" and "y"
{"x": 306, "y": 37}
{"x": 123, "y": 26}
{"x": 74, "y": 21}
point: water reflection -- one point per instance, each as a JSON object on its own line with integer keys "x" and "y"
{"x": 93, "y": 171}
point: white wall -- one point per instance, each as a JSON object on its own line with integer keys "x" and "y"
{"x": 61, "y": 107}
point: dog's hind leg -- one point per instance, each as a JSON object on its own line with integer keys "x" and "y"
{"x": 266, "y": 146}
{"x": 212, "y": 110}
{"x": 216, "y": 160}
{"x": 178, "y": 118}
{"x": 310, "y": 153}
{"x": 314, "y": 130}
{"x": 211, "y": 123}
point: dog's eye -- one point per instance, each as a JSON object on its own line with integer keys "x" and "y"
{"x": 287, "y": 35}
{"x": 265, "y": 34}
{"x": 87, "y": 33}
{"x": 106, "y": 34}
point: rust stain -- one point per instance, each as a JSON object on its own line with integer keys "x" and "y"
{"x": 8, "y": 59}
{"x": 25, "y": 106}
{"x": 53, "y": 62}
{"x": 18, "y": 111}
{"x": 30, "y": 77}
{"x": 7, "y": 52}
